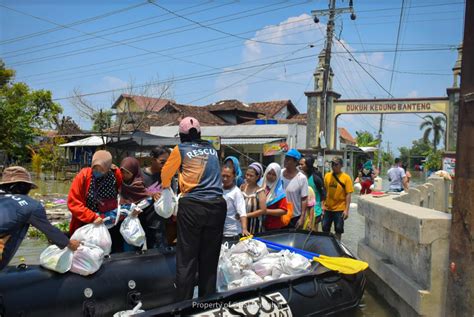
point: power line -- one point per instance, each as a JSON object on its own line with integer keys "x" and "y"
{"x": 247, "y": 77}
{"x": 147, "y": 63}
{"x": 187, "y": 46}
{"x": 95, "y": 18}
{"x": 136, "y": 39}
{"x": 48, "y": 46}
{"x": 217, "y": 30}
{"x": 189, "y": 77}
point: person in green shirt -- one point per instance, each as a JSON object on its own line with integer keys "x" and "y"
{"x": 316, "y": 183}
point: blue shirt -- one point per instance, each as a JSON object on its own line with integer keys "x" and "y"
{"x": 17, "y": 213}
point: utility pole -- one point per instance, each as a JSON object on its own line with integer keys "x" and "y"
{"x": 379, "y": 161}
{"x": 332, "y": 12}
{"x": 460, "y": 291}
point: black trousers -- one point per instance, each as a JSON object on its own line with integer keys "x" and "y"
{"x": 200, "y": 230}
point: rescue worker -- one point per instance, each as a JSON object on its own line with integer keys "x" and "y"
{"x": 201, "y": 209}
{"x": 18, "y": 211}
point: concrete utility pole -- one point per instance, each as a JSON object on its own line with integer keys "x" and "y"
{"x": 379, "y": 156}
{"x": 461, "y": 247}
{"x": 332, "y": 12}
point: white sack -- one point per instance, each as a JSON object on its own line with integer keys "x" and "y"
{"x": 293, "y": 263}
{"x": 56, "y": 259}
{"x": 96, "y": 234}
{"x": 87, "y": 259}
{"x": 264, "y": 267}
{"x": 167, "y": 205}
{"x": 254, "y": 248}
{"x": 132, "y": 231}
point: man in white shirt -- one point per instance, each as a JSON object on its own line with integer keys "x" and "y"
{"x": 295, "y": 185}
{"x": 397, "y": 177}
{"x": 236, "y": 218}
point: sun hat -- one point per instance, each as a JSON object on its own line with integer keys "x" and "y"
{"x": 16, "y": 174}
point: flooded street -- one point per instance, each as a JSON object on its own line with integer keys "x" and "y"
{"x": 371, "y": 305}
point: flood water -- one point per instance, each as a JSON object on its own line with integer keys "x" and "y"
{"x": 372, "y": 305}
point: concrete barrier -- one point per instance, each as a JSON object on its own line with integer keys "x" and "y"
{"x": 406, "y": 246}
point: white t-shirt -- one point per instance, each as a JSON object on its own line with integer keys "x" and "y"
{"x": 396, "y": 174}
{"x": 235, "y": 209}
{"x": 295, "y": 188}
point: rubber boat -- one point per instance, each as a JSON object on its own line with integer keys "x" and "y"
{"x": 126, "y": 279}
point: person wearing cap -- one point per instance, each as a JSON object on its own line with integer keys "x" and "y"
{"x": 19, "y": 211}
{"x": 201, "y": 209}
{"x": 339, "y": 188}
{"x": 94, "y": 192}
{"x": 296, "y": 185}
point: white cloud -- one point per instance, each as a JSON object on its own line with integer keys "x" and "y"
{"x": 111, "y": 82}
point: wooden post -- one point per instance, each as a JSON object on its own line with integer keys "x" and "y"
{"x": 461, "y": 249}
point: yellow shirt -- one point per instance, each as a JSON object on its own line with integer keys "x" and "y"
{"x": 335, "y": 193}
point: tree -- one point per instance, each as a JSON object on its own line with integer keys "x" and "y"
{"x": 66, "y": 125}
{"x": 102, "y": 120}
{"x": 24, "y": 113}
{"x": 433, "y": 126}
{"x": 365, "y": 138}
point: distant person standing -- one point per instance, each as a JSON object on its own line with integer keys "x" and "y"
{"x": 397, "y": 177}
{"x": 338, "y": 198}
{"x": 407, "y": 173}
{"x": 366, "y": 178}
{"x": 295, "y": 185}
{"x": 201, "y": 209}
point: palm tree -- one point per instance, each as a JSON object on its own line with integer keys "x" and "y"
{"x": 433, "y": 126}
{"x": 365, "y": 138}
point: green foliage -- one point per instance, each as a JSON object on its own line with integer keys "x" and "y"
{"x": 102, "y": 120}
{"x": 434, "y": 161}
{"x": 414, "y": 155}
{"x": 433, "y": 126}
{"x": 52, "y": 156}
{"x": 365, "y": 138}
{"x": 24, "y": 113}
{"x": 34, "y": 233}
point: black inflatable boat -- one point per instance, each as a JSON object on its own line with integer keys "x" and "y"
{"x": 127, "y": 278}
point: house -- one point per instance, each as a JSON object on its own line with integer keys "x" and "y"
{"x": 140, "y": 113}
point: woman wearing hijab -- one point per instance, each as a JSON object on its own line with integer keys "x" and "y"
{"x": 233, "y": 162}
{"x": 134, "y": 191}
{"x": 254, "y": 196}
{"x": 94, "y": 192}
{"x": 317, "y": 193}
{"x": 279, "y": 212}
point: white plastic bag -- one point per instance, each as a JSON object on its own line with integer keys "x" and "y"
{"x": 293, "y": 263}
{"x": 56, "y": 259}
{"x": 167, "y": 204}
{"x": 132, "y": 312}
{"x": 254, "y": 248}
{"x": 96, "y": 234}
{"x": 87, "y": 259}
{"x": 132, "y": 231}
{"x": 248, "y": 278}
{"x": 241, "y": 260}
{"x": 265, "y": 266}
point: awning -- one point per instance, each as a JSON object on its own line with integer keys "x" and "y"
{"x": 90, "y": 141}
{"x": 242, "y": 141}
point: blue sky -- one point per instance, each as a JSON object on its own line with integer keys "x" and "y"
{"x": 248, "y": 50}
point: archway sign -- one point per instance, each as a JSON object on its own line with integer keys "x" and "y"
{"x": 389, "y": 106}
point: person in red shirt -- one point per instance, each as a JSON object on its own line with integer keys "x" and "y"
{"x": 279, "y": 212}
{"x": 94, "y": 192}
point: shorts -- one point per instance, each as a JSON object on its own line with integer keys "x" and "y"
{"x": 336, "y": 217}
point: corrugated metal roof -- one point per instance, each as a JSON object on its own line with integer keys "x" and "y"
{"x": 90, "y": 141}
{"x": 238, "y": 141}
{"x": 231, "y": 131}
